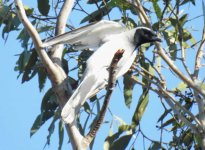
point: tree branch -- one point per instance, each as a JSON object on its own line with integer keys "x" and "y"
{"x": 62, "y": 18}
{"x": 57, "y": 75}
{"x": 175, "y": 105}
{"x": 111, "y": 83}
{"x": 160, "y": 51}
{"x": 200, "y": 101}
{"x": 199, "y": 56}
{"x": 63, "y": 89}
{"x": 48, "y": 64}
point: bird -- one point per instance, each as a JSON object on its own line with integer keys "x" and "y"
{"x": 106, "y": 37}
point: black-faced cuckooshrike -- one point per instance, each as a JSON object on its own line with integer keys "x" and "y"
{"x": 107, "y": 37}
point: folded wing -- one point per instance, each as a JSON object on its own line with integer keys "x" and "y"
{"x": 90, "y": 36}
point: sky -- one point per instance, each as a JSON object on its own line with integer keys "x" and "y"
{"x": 20, "y": 103}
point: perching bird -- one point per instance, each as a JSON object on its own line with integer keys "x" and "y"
{"x": 108, "y": 37}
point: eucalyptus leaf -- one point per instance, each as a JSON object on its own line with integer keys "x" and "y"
{"x": 43, "y": 7}
{"x": 29, "y": 66}
{"x": 140, "y": 109}
{"x": 60, "y": 134}
{"x": 187, "y": 1}
{"x": 36, "y": 125}
{"x": 121, "y": 143}
{"x": 51, "y": 129}
{"x": 157, "y": 8}
{"x": 128, "y": 89}
{"x": 168, "y": 122}
{"x": 96, "y": 15}
{"x": 156, "y": 146}
{"x": 23, "y": 61}
{"x": 42, "y": 76}
{"x": 110, "y": 140}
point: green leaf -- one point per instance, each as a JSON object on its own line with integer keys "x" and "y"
{"x": 168, "y": 122}
{"x": 4, "y": 11}
{"x": 30, "y": 66}
{"x": 36, "y": 125}
{"x": 24, "y": 38}
{"x": 12, "y": 25}
{"x": 9, "y": 19}
{"x": 110, "y": 139}
{"x": 186, "y": 1}
{"x": 187, "y": 36}
{"x": 82, "y": 62}
{"x": 170, "y": 37}
{"x": 48, "y": 105}
{"x": 174, "y": 22}
{"x": 128, "y": 89}
{"x": 97, "y": 15}
{"x": 51, "y": 128}
{"x": 93, "y": 1}
{"x": 121, "y": 143}
{"x": 125, "y": 127}
{"x": 155, "y": 146}
{"x": 183, "y": 20}
{"x": 48, "y": 108}
{"x": 49, "y": 102}
{"x": 41, "y": 78}
{"x": 29, "y": 11}
{"x": 157, "y": 8}
{"x": 123, "y": 6}
{"x": 22, "y": 61}
{"x": 129, "y": 22}
{"x": 60, "y": 134}
{"x": 140, "y": 109}
{"x": 164, "y": 115}
{"x": 43, "y": 7}
{"x": 87, "y": 107}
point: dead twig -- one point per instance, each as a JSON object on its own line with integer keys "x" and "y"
{"x": 111, "y": 84}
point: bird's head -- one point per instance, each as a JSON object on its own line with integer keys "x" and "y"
{"x": 145, "y": 35}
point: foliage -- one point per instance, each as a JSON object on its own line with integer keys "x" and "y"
{"x": 172, "y": 24}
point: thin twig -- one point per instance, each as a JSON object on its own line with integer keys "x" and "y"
{"x": 176, "y": 106}
{"x": 111, "y": 83}
{"x": 199, "y": 55}
{"x": 161, "y": 52}
{"x": 181, "y": 38}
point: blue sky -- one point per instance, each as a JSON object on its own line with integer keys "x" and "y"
{"x": 20, "y": 103}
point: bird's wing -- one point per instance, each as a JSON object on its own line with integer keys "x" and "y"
{"x": 90, "y": 36}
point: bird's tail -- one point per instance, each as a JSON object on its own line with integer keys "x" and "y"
{"x": 86, "y": 89}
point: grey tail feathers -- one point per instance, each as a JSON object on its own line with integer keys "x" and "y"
{"x": 83, "y": 92}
